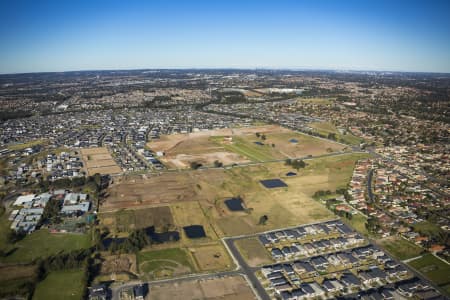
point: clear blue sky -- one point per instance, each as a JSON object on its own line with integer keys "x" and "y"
{"x": 62, "y": 35}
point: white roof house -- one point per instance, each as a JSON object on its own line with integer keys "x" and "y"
{"x": 21, "y": 200}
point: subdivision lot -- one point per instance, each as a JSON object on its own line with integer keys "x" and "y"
{"x": 238, "y": 145}
{"x": 99, "y": 160}
{"x": 182, "y": 149}
{"x": 211, "y": 257}
{"x": 67, "y": 284}
{"x": 228, "y": 288}
{"x": 400, "y": 248}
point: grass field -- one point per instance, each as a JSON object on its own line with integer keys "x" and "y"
{"x": 196, "y": 197}
{"x": 191, "y": 213}
{"x": 164, "y": 263}
{"x": 434, "y": 269}
{"x": 400, "y": 248}
{"x": 245, "y": 146}
{"x": 253, "y": 251}
{"x": 43, "y": 243}
{"x": 326, "y": 127}
{"x": 65, "y": 285}
{"x": 211, "y": 257}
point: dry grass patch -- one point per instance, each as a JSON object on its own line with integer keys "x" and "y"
{"x": 127, "y": 220}
{"x": 228, "y": 288}
{"x": 211, "y": 257}
{"x": 253, "y": 251}
{"x": 191, "y": 213}
{"x": 136, "y": 191}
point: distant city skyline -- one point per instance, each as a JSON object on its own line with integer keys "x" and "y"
{"x": 46, "y": 36}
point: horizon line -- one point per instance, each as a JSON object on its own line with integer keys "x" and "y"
{"x": 357, "y": 70}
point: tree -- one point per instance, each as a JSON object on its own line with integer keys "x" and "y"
{"x": 332, "y": 136}
{"x": 263, "y": 220}
{"x": 298, "y": 164}
{"x": 257, "y": 134}
{"x": 195, "y": 165}
{"x": 218, "y": 164}
{"x": 263, "y": 137}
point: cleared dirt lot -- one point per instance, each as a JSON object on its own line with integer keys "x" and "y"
{"x": 228, "y": 288}
{"x": 99, "y": 160}
{"x": 138, "y": 192}
{"x": 238, "y": 145}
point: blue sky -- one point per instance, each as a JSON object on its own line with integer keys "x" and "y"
{"x": 363, "y": 35}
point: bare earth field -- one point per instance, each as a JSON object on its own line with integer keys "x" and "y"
{"x": 99, "y": 160}
{"x": 238, "y": 145}
{"x": 140, "y": 192}
{"x": 227, "y": 288}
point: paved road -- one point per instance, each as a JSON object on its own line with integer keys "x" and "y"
{"x": 369, "y": 185}
{"x": 249, "y": 271}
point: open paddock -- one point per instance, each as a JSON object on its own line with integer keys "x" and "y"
{"x": 197, "y": 197}
{"x": 127, "y": 220}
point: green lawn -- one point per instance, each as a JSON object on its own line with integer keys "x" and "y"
{"x": 401, "y": 248}
{"x": 42, "y": 243}
{"x": 326, "y": 127}
{"x": 427, "y": 228}
{"x": 433, "y": 268}
{"x": 68, "y": 284}
{"x": 314, "y": 100}
{"x": 151, "y": 261}
{"x": 248, "y": 148}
